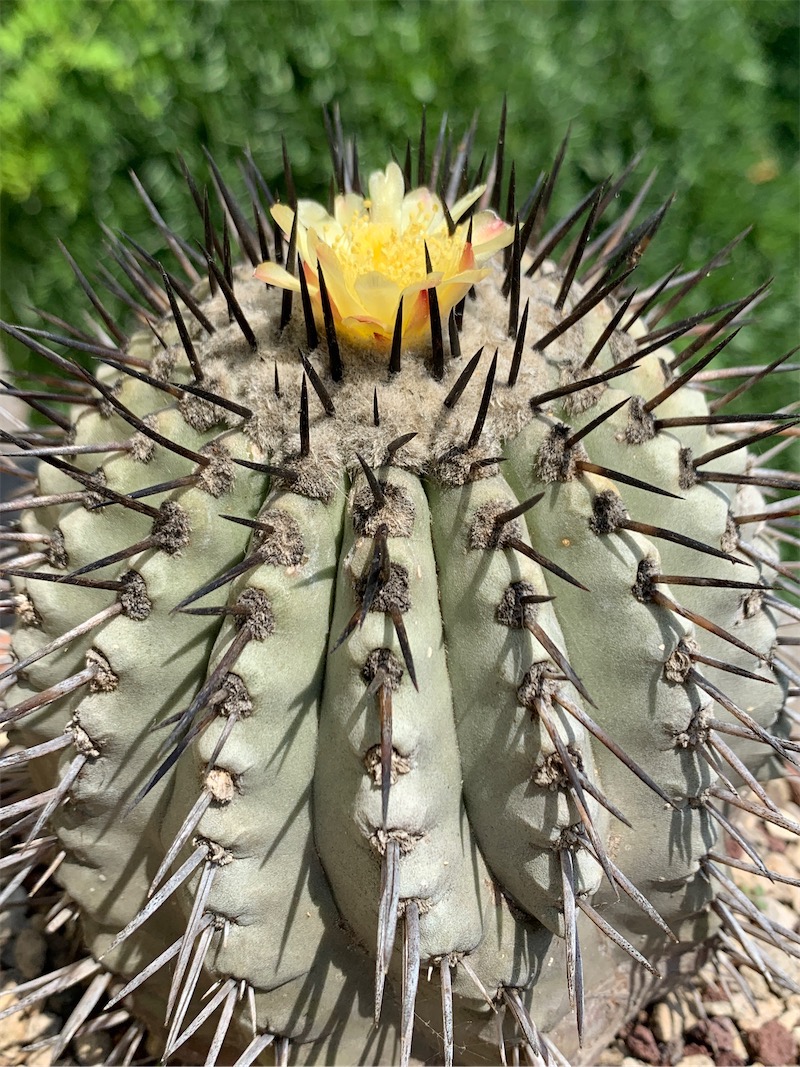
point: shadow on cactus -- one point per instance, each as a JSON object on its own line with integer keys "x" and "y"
{"x": 397, "y": 626}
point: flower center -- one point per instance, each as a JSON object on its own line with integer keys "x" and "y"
{"x": 365, "y": 246}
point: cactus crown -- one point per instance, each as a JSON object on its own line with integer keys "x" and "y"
{"x": 413, "y": 613}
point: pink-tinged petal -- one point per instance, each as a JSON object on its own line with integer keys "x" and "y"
{"x": 466, "y": 202}
{"x": 489, "y": 234}
{"x": 370, "y": 320}
{"x": 366, "y": 329}
{"x": 416, "y": 317}
{"x": 486, "y": 224}
{"x": 274, "y": 274}
{"x": 467, "y": 261}
{"x": 312, "y": 281}
{"x": 379, "y": 294}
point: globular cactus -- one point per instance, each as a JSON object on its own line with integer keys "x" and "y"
{"x": 397, "y": 638}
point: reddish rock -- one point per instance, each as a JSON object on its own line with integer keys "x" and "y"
{"x": 774, "y": 844}
{"x": 717, "y": 1036}
{"x": 729, "y": 1059}
{"x": 772, "y": 1045}
{"x": 693, "y": 1049}
{"x": 733, "y": 848}
{"x": 642, "y": 1044}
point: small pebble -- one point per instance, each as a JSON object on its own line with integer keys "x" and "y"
{"x": 721, "y": 1038}
{"x": 758, "y": 984}
{"x": 29, "y": 953}
{"x": 697, "y": 1059}
{"x": 779, "y": 913}
{"x": 768, "y": 1007}
{"x": 43, "y": 1057}
{"x": 12, "y": 1035}
{"x": 92, "y": 1049}
{"x": 641, "y": 1043}
{"x": 610, "y": 1057}
{"x": 666, "y": 1022}
{"x": 737, "y": 1045}
{"x": 12, "y": 919}
{"x": 773, "y": 1045}
{"x": 41, "y": 1024}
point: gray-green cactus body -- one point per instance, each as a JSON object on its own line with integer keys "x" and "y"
{"x": 425, "y": 815}
{"x": 391, "y": 692}
{"x": 506, "y": 670}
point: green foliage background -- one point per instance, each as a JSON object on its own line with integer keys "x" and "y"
{"x": 93, "y": 88}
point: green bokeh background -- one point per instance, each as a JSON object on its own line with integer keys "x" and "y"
{"x": 93, "y": 88}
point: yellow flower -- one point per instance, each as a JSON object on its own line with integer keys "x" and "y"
{"x": 372, "y": 254}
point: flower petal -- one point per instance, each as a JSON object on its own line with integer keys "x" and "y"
{"x": 430, "y": 281}
{"x": 489, "y": 234}
{"x": 284, "y": 216}
{"x": 379, "y": 295}
{"x": 467, "y": 261}
{"x": 366, "y": 329}
{"x": 420, "y": 207}
{"x": 456, "y": 288}
{"x": 308, "y": 249}
{"x": 416, "y": 317}
{"x": 466, "y": 202}
{"x": 314, "y": 214}
{"x": 386, "y": 190}
{"x": 343, "y": 301}
{"x": 274, "y": 274}
{"x": 346, "y": 207}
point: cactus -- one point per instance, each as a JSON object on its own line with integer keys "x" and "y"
{"x": 397, "y": 629}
